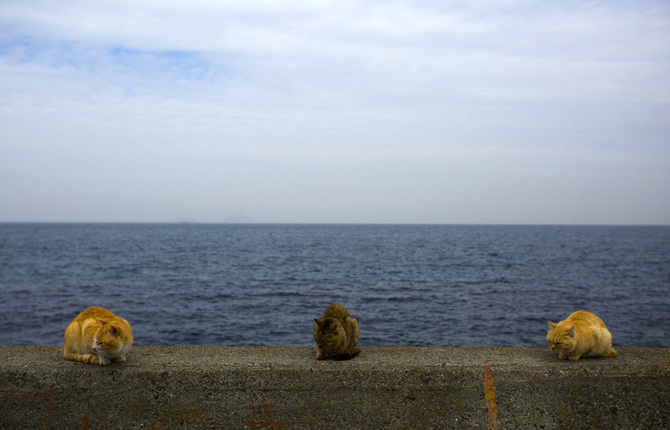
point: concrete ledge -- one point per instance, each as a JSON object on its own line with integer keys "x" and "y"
{"x": 385, "y": 387}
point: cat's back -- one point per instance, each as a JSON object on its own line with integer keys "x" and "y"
{"x": 95, "y": 312}
{"x": 90, "y": 319}
{"x": 585, "y": 318}
{"x": 336, "y": 311}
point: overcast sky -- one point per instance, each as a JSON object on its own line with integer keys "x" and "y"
{"x": 524, "y": 112}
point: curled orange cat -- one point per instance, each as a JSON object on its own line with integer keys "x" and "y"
{"x": 336, "y": 334}
{"x": 582, "y": 334}
{"x": 97, "y": 336}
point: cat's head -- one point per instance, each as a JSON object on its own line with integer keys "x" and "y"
{"x": 328, "y": 333}
{"x": 561, "y": 337}
{"x": 108, "y": 339}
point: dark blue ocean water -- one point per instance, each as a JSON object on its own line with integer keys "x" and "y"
{"x": 197, "y": 284}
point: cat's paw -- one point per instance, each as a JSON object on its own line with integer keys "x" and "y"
{"x": 319, "y": 355}
{"x": 119, "y": 359}
{"x": 103, "y": 361}
{"x": 562, "y": 356}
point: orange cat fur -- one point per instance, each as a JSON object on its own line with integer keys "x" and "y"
{"x": 582, "y": 334}
{"x": 97, "y": 336}
{"x": 336, "y": 334}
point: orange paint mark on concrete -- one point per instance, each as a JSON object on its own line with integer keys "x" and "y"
{"x": 84, "y": 423}
{"x": 267, "y": 422}
{"x": 531, "y": 377}
{"x": 490, "y": 396}
{"x": 180, "y": 420}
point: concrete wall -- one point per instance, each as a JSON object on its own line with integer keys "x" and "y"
{"x": 272, "y": 388}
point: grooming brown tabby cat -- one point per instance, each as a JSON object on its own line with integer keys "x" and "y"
{"x": 336, "y": 334}
{"x": 97, "y": 336}
{"x": 582, "y": 334}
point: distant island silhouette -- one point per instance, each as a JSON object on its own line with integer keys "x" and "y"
{"x": 185, "y": 220}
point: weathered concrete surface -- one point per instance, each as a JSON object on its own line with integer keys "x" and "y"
{"x": 237, "y": 388}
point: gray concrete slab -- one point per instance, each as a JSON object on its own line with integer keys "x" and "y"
{"x": 384, "y": 387}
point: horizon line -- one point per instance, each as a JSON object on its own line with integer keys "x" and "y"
{"x": 250, "y": 223}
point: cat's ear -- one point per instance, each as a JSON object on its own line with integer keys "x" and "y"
{"x": 551, "y": 324}
{"x": 571, "y": 332}
{"x": 112, "y": 330}
{"x": 317, "y": 322}
{"x": 101, "y": 322}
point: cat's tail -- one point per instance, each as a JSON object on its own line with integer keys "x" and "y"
{"x": 349, "y": 353}
{"x": 84, "y": 358}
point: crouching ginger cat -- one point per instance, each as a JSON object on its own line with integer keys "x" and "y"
{"x": 97, "y": 336}
{"x": 336, "y": 334}
{"x": 582, "y": 334}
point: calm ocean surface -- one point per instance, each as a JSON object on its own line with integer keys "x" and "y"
{"x": 208, "y": 284}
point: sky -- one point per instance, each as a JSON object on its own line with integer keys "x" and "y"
{"x": 407, "y": 111}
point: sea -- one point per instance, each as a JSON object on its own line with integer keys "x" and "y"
{"x": 263, "y": 284}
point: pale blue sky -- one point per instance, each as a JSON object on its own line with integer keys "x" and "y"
{"x": 523, "y": 112}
